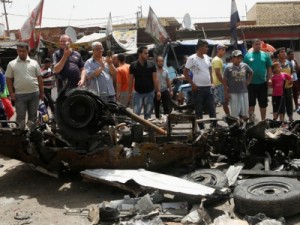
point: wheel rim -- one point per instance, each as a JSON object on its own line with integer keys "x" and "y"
{"x": 78, "y": 111}
{"x": 275, "y": 188}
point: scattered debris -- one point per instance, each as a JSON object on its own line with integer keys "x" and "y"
{"x": 149, "y": 180}
{"x": 226, "y": 220}
{"x": 23, "y": 215}
{"x": 203, "y": 214}
{"x": 233, "y": 172}
{"x": 111, "y": 137}
{"x": 94, "y": 214}
{"x": 262, "y": 219}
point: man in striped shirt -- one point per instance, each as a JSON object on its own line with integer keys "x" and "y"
{"x": 49, "y": 81}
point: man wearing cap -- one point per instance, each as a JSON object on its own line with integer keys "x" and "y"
{"x": 260, "y": 62}
{"x": 237, "y": 76}
{"x": 217, "y": 73}
{"x": 199, "y": 64}
{"x": 25, "y": 84}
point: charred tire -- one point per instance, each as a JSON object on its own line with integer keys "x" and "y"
{"x": 80, "y": 114}
{"x": 274, "y": 196}
{"x": 209, "y": 177}
{"x": 78, "y": 110}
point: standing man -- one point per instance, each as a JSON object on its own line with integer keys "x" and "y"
{"x": 48, "y": 81}
{"x": 25, "y": 84}
{"x": 100, "y": 73}
{"x": 68, "y": 65}
{"x": 260, "y": 62}
{"x": 122, "y": 80}
{"x": 165, "y": 89}
{"x": 295, "y": 69}
{"x": 115, "y": 60}
{"x": 144, "y": 77}
{"x": 199, "y": 64}
{"x": 217, "y": 73}
{"x": 116, "y": 63}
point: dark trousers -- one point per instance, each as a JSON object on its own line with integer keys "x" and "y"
{"x": 296, "y": 92}
{"x": 48, "y": 100}
{"x": 166, "y": 102}
{"x": 204, "y": 98}
{"x": 288, "y": 95}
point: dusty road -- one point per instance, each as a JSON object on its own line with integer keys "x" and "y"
{"x": 30, "y": 197}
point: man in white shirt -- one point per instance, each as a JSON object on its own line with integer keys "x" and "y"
{"x": 25, "y": 84}
{"x": 200, "y": 65}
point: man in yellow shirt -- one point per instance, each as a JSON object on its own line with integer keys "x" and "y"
{"x": 217, "y": 73}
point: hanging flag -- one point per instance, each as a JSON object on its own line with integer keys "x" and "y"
{"x": 27, "y": 31}
{"x": 109, "y": 26}
{"x": 109, "y": 32}
{"x": 234, "y": 20}
{"x": 155, "y": 29}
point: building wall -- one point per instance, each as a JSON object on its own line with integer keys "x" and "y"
{"x": 53, "y": 33}
{"x": 275, "y": 13}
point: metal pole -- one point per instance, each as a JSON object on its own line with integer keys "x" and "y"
{"x": 5, "y": 13}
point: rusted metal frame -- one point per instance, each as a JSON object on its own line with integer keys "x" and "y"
{"x": 270, "y": 173}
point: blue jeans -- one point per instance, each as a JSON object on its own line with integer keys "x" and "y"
{"x": 145, "y": 101}
{"x": 219, "y": 94}
{"x": 27, "y": 103}
{"x": 204, "y": 99}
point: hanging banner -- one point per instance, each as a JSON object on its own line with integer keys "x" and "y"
{"x": 155, "y": 29}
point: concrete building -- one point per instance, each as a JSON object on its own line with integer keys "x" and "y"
{"x": 271, "y": 13}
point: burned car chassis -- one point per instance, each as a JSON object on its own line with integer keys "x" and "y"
{"x": 89, "y": 133}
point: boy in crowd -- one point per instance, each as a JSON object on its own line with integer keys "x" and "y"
{"x": 237, "y": 76}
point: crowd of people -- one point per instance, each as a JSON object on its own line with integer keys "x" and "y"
{"x": 145, "y": 84}
{"x": 244, "y": 81}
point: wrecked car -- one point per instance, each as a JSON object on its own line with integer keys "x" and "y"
{"x": 88, "y": 133}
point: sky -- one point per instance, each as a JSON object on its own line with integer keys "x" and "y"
{"x": 85, "y": 13}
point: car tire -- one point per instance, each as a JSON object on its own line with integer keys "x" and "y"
{"x": 75, "y": 122}
{"x": 209, "y": 177}
{"x": 273, "y": 196}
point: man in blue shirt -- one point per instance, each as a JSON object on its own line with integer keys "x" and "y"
{"x": 101, "y": 73}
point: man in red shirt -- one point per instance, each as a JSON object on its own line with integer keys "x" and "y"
{"x": 122, "y": 80}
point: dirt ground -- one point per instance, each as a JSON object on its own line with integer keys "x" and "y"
{"x": 30, "y": 197}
